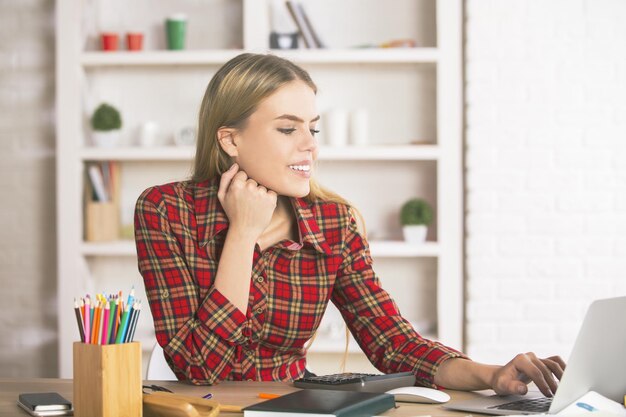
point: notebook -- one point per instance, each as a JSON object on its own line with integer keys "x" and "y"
{"x": 322, "y": 403}
{"x": 597, "y": 363}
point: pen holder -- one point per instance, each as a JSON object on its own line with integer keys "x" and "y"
{"x": 102, "y": 221}
{"x": 107, "y": 380}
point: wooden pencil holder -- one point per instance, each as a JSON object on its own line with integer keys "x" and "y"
{"x": 107, "y": 380}
{"x": 102, "y": 221}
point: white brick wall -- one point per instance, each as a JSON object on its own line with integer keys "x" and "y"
{"x": 27, "y": 213}
{"x": 546, "y": 178}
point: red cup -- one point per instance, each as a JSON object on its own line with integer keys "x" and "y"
{"x": 110, "y": 41}
{"x": 134, "y": 41}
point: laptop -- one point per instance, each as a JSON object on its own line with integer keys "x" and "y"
{"x": 597, "y": 363}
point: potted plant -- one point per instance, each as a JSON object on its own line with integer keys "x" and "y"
{"x": 416, "y": 214}
{"x": 106, "y": 123}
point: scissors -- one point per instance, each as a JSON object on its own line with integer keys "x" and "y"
{"x": 153, "y": 388}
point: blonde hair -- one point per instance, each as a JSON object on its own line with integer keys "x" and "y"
{"x": 233, "y": 94}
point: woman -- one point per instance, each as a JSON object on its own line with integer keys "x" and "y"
{"x": 240, "y": 262}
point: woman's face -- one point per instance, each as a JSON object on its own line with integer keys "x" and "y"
{"x": 277, "y": 147}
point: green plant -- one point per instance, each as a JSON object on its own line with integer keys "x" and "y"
{"x": 416, "y": 211}
{"x": 105, "y": 118}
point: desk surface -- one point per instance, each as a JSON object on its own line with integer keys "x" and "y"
{"x": 235, "y": 393}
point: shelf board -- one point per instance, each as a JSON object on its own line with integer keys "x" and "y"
{"x": 380, "y": 153}
{"x": 382, "y": 249}
{"x": 361, "y": 55}
{"x": 137, "y": 153}
{"x": 327, "y": 153}
{"x": 402, "y": 249}
{"x": 303, "y": 56}
{"x": 114, "y": 248}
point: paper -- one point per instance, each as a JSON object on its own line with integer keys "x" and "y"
{"x": 592, "y": 402}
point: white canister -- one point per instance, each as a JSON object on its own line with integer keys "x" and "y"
{"x": 149, "y": 134}
{"x": 359, "y": 127}
{"x": 336, "y": 127}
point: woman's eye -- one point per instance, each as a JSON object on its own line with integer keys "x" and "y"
{"x": 287, "y": 131}
{"x": 314, "y": 132}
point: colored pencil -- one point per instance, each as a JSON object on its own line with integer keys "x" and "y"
{"x": 87, "y": 320}
{"x": 133, "y": 323}
{"x": 95, "y": 322}
{"x": 121, "y": 333}
{"x": 79, "y": 321}
{"x": 112, "y": 319}
{"x": 105, "y": 324}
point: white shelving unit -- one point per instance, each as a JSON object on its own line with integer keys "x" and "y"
{"x": 412, "y": 94}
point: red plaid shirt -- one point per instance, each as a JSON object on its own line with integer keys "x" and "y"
{"x": 180, "y": 230}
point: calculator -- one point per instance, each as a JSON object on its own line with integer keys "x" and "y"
{"x": 349, "y": 381}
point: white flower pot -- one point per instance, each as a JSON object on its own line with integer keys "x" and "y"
{"x": 106, "y": 139}
{"x": 415, "y": 233}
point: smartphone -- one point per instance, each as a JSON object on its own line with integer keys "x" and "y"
{"x": 43, "y": 404}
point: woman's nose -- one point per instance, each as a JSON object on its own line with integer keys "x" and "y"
{"x": 309, "y": 141}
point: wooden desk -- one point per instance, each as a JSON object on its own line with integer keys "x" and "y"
{"x": 235, "y": 393}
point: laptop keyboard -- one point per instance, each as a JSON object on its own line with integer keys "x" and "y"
{"x": 533, "y": 405}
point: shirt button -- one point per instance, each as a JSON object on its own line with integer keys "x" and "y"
{"x": 260, "y": 279}
{"x": 266, "y": 255}
{"x": 259, "y": 310}
{"x": 165, "y": 294}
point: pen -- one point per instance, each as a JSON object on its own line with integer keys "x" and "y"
{"x": 268, "y": 396}
{"x": 208, "y": 396}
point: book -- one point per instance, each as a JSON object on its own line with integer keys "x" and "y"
{"x": 303, "y": 28}
{"x": 322, "y": 403}
{"x": 316, "y": 39}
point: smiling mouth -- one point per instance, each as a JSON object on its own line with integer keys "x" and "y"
{"x": 301, "y": 168}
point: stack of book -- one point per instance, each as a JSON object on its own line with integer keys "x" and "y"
{"x": 305, "y": 28}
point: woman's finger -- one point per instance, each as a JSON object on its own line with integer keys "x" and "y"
{"x": 548, "y": 377}
{"x": 554, "y": 366}
{"x": 225, "y": 181}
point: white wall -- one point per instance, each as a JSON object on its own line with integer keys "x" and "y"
{"x": 28, "y": 345}
{"x": 546, "y": 178}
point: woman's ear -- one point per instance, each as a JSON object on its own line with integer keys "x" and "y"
{"x": 226, "y": 139}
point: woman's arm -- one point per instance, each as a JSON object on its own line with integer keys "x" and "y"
{"x": 508, "y": 379}
{"x": 249, "y": 208}
{"x": 388, "y": 340}
{"x": 199, "y": 336}
{"x": 392, "y": 345}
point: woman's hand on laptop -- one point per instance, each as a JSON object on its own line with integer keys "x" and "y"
{"x": 513, "y": 377}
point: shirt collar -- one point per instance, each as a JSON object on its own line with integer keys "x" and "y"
{"x": 211, "y": 218}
